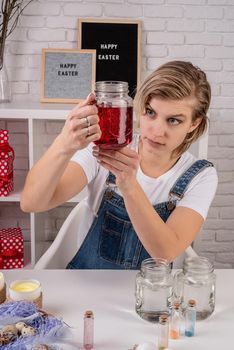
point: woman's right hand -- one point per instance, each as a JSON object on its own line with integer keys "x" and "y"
{"x": 81, "y": 126}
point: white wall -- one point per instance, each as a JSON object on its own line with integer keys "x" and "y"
{"x": 201, "y": 31}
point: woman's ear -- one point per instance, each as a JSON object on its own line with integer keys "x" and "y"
{"x": 195, "y": 124}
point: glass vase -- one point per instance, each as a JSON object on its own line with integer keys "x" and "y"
{"x": 5, "y": 87}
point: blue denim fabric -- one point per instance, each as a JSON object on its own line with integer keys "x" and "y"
{"x": 111, "y": 242}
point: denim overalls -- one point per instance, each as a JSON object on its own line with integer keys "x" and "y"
{"x": 111, "y": 242}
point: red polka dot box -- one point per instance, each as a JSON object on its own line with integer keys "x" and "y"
{"x": 6, "y": 164}
{"x": 11, "y": 248}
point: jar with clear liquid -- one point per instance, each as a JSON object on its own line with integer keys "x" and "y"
{"x": 153, "y": 291}
{"x": 196, "y": 281}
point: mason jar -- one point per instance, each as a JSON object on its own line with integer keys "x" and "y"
{"x": 196, "y": 281}
{"x": 153, "y": 289}
{"x": 115, "y": 111}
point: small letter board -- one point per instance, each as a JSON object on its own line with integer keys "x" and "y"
{"x": 68, "y": 75}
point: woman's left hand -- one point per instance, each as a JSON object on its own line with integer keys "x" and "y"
{"x": 123, "y": 163}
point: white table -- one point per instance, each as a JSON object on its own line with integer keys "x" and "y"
{"x": 110, "y": 294}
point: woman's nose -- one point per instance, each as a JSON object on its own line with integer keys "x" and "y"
{"x": 159, "y": 128}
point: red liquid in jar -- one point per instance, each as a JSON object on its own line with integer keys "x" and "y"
{"x": 116, "y": 124}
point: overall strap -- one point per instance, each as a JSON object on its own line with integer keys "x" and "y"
{"x": 110, "y": 185}
{"x": 110, "y": 179}
{"x": 183, "y": 181}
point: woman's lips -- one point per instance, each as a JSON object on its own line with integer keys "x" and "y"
{"x": 155, "y": 143}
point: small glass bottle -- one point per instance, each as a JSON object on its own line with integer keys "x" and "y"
{"x": 190, "y": 318}
{"x": 115, "y": 111}
{"x": 163, "y": 332}
{"x": 175, "y": 321}
{"x": 88, "y": 330}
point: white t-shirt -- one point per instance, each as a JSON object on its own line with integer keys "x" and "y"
{"x": 198, "y": 195}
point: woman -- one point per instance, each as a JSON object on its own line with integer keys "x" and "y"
{"x": 148, "y": 199}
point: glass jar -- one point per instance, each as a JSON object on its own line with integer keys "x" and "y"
{"x": 153, "y": 291}
{"x": 196, "y": 281}
{"x": 115, "y": 111}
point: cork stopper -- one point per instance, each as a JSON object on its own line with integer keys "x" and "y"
{"x": 163, "y": 318}
{"x": 88, "y": 314}
{"x": 192, "y": 302}
{"x": 176, "y": 305}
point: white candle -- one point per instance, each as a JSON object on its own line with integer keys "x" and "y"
{"x": 2, "y": 281}
{"x": 28, "y": 290}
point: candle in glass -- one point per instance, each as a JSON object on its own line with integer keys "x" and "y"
{"x": 29, "y": 290}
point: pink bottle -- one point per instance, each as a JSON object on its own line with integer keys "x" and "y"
{"x": 88, "y": 330}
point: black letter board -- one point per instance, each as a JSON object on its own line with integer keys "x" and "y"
{"x": 117, "y": 45}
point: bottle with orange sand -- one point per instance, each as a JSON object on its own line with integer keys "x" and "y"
{"x": 175, "y": 321}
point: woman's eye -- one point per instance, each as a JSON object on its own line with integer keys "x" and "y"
{"x": 149, "y": 112}
{"x": 174, "y": 121}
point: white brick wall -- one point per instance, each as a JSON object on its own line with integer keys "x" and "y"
{"x": 198, "y": 30}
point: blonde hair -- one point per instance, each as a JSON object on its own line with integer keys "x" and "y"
{"x": 177, "y": 80}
